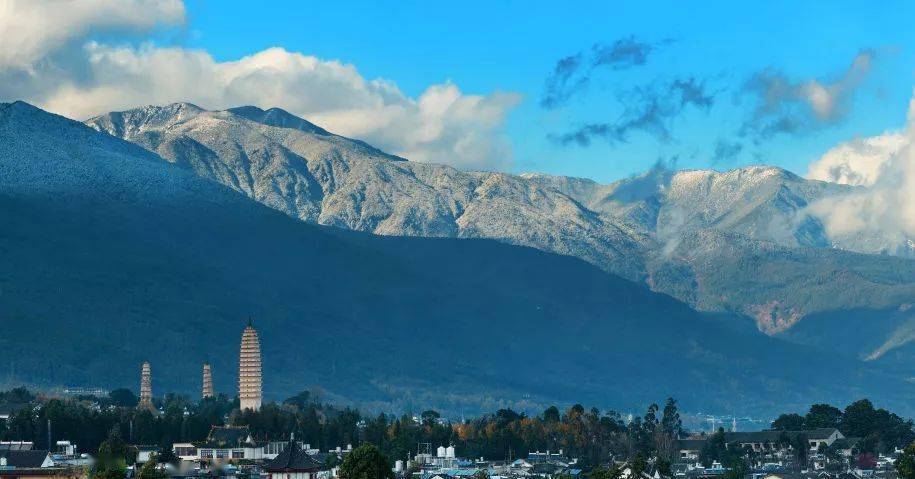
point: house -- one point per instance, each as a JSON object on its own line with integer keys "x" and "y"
{"x": 227, "y": 444}
{"x": 847, "y": 446}
{"x": 146, "y": 453}
{"x": 770, "y": 440}
{"x": 223, "y": 444}
{"x": 25, "y": 459}
{"x": 34, "y": 464}
{"x": 292, "y": 463}
{"x": 689, "y": 449}
{"x": 538, "y": 457}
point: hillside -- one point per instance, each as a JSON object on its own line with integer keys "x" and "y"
{"x": 112, "y": 256}
{"x": 737, "y": 242}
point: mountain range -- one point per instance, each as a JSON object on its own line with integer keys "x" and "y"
{"x": 738, "y": 242}
{"x": 397, "y": 285}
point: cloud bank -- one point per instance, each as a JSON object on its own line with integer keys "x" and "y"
{"x": 572, "y": 74}
{"x": 785, "y": 106}
{"x": 880, "y": 215}
{"x": 68, "y": 73}
{"x": 649, "y": 109}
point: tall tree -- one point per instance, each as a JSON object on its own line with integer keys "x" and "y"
{"x": 366, "y": 462}
{"x": 905, "y": 463}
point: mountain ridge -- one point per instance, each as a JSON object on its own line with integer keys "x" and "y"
{"x": 126, "y": 259}
{"x": 638, "y": 227}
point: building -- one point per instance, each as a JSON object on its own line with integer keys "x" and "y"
{"x": 207, "y": 381}
{"x": 249, "y": 370}
{"x": 770, "y": 440}
{"x": 227, "y": 444}
{"x": 25, "y": 458}
{"x": 293, "y": 463}
{"x": 146, "y": 386}
{"x": 146, "y": 453}
{"x": 35, "y": 464}
{"x": 17, "y": 445}
{"x": 688, "y": 450}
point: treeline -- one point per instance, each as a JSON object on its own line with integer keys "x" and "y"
{"x": 593, "y": 436}
{"x": 589, "y": 434}
{"x": 880, "y": 430}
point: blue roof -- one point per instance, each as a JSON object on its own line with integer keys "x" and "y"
{"x": 460, "y": 472}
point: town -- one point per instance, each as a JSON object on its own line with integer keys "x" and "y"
{"x": 119, "y": 435}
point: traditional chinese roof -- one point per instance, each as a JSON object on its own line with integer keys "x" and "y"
{"x": 293, "y": 459}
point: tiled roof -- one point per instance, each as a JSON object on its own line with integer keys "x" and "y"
{"x": 293, "y": 459}
{"x": 24, "y": 459}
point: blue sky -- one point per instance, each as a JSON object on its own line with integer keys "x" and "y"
{"x": 513, "y": 46}
{"x": 476, "y": 85}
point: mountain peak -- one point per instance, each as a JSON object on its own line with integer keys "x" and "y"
{"x": 277, "y": 117}
{"x": 743, "y": 173}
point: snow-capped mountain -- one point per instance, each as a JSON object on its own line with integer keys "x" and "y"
{"x": 735, "y": 241}
{"x": 291, "y": 165}
{"x": 124, "y": 258}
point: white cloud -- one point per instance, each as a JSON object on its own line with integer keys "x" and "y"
{"x": 441, "y": 125}
{"x": 879, "y": 216}
{"x": 31, "y": 29}
{"x": 787, "y": 106}
{"x": 858, "y": 162}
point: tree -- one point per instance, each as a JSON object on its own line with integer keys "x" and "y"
{"x": 789, "y": 422}
{"x": 366, "y": 462}
{"x": 123, "y": 397}
{"x": 111, "y": 462}
{"x": 300, "y": 400}
{"x": 905, "y": 464}
{"x": 801, "y": 448}
{"x": 601, "y": 472}
{"x": 737, "y": 469}
{"x": 150, "y": 470}
{"x": 639, "y": 464}
{"x": 823, "y": 415}
{"x": 551, "y": 414}
{"x": 331, "y": 461}
{"x": 429, "y": 417}
{"x": 670, "y": 418}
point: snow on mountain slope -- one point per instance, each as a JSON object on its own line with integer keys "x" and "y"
{"x": 319, "y": 177}
{"x": 734, "y": 241}
{"x": 106, "y": 247}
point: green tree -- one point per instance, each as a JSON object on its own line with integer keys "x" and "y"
{"x": 823, "y": 415}
{"x": 737, "y": 469}
{"x": 601, "y": 472}
{"x": 639, "y": 464}
{"x": 801, "y": 449}
{"x": 150, "y": 470}
{"x": 670, "y": 418}
{"x": 301, "y": 400}
{"x": 111, "y": 462}
{"x": 123, "y": 397}
{"x": 429, "y": 417}
{"x": 551, "y": 414}
{"x": 366, "y": 462}
{"x": 905, "y": 464}
{"x": 789, "y": 422}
